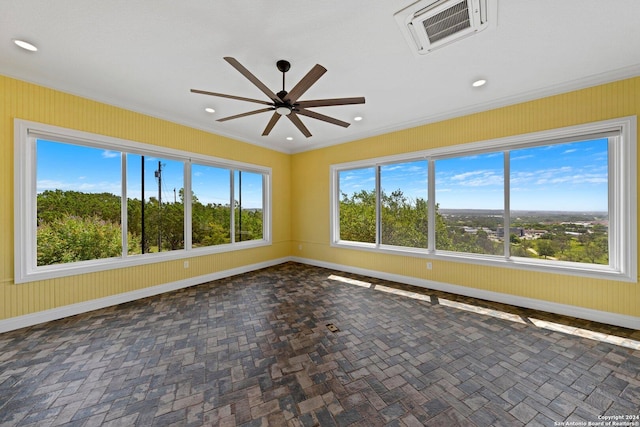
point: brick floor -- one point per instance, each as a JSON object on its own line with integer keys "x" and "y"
{"x": 255, "y": 350}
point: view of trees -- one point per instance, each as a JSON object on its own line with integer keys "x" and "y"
{"x": 76, "y": 226}
{"x": 404, "y": 223}
{"x": 557, "y": 241}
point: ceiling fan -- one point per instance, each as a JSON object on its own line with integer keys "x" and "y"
{"x": 286, "y": 103}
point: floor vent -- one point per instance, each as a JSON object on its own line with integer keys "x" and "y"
{"x": 429, "y": 25}
{"x": 332, "y": 327}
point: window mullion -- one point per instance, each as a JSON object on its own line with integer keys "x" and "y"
{"x": 431, "y": 191}
{"x": 124, "y": 218}
{"x": 266, "y": 234}
{"x": 507, "y": 205}
{"x": 186, "y": 203}
{"x": 232, "y": 205}
{"x": 378, "y": 207}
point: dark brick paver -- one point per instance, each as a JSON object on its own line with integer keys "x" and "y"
{"x": 255, "y": 349}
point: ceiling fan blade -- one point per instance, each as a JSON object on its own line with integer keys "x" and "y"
{"x": 253, "y": 79}
{"x": 239, "y": 98}
{"x": 271, "y": 124}
{"x": 250, "y": 113}
{"x": 312, "y": 76}
{"x": 322, "y": 117}
{"x": 329, "y": 102}
{"x": 298, "y": 123}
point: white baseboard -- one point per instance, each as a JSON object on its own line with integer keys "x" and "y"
{"x": 87, "y": 306}
{"x": 84, "y": 307}
{"x": 536, "y": 304}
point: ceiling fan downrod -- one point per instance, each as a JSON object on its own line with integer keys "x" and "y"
{"x": 283, "y": 67}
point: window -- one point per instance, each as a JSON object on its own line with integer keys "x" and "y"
{"x": 561, "y": 201}
{"x": 470, "y": 198}
{"x": 357, "y": 205}
{"x": 210, "y": 206}
{"x": 86, "y": 203}
{"x": 77, "y": 218}
{"x": 403, "y": 201}
{"x": 248, "y": 209}
{"x": 573, "y": 176}
{"x": 155, "y": 221}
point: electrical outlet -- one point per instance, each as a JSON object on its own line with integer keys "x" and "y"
{"x": 429, "y": 266}
{"x": 186, "y": 264}
{"x": 299, "y": 247}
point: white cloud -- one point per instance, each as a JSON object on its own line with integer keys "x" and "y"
{"x": 479, "y": 178}
{"x": 465, "y": 175}
{"x": 560, "y": 176}
{"x": 108, "y": 154}
{"x": 524, "y": 156}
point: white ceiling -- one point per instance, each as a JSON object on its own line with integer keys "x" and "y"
{"x": 146, "y": 55}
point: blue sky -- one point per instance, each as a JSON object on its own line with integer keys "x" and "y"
{"x": 91, "y": 170}
{"x": 564, "y": 177}
{"x": 561, "y": 177}
{"x": 71, "y": 167}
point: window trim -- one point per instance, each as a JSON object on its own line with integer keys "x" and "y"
{"x": 25, "y": 192}
{"x": 622, "y": 200}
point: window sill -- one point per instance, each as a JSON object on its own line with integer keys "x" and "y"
{"x": 592, "y": 271}
{"x": 86, "y": 267}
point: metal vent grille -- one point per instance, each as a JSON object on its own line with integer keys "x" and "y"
{"x": 448, "y": 22}
{"x": 428, "y": 25}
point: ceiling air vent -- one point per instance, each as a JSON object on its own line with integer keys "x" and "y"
{"x": 429, "y": 25}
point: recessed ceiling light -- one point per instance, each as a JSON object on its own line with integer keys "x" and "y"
{"x": 209, "y": 110}
{"x": 289, "y": 138}
{"x": 479, "y": 82}
{"x": 25, "y": 45}
{"x": 357, "y": 118}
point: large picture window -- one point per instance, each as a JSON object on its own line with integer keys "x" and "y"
{"x": 155, "y": 206}
{"x": 560, "y": 200}
{"x": 570, "y": 183}
{"x": 248, "y": 209}
{"x": 78, "y": 203}
{"x": 403, "y": 204}
{"x": 358, "y": 205}
{"x": 210, "y": 206}
{"x": 470, "y": 198}
{"x": 86, "y": 202}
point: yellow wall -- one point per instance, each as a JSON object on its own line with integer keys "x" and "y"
{"x": 30, "y": 102}
{"x": 310, "y": 190}
{"x": 301, "y": 197}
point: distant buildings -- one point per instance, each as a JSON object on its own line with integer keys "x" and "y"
{"x": 518, "y": 231}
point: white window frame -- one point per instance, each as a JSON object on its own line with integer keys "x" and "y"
{"x": 622, "y": 174}
{"x": 25, "y": 194}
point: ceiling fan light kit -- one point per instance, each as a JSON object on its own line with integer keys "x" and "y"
{"x": 283, "y": 110}
{"x": 286, "y": 103}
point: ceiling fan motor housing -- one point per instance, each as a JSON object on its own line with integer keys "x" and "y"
{"x": 283, "y": 65}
